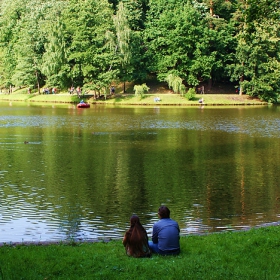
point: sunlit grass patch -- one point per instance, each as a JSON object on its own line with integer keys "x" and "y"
{"x": 156, "y": 99}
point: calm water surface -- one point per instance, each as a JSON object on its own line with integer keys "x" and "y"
{"x": 84, "y": 172}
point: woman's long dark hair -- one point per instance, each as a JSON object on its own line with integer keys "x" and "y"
{"x": 137, "y": 237}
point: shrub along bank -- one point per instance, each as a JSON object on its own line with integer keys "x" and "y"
{"x": 253, "y": 254}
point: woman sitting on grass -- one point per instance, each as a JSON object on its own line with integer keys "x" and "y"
{"x": 136, "y": 239}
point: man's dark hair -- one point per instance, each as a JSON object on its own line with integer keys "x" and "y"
{"x": 164, "y": 212}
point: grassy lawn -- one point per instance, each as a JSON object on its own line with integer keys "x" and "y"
{"x": 253, "y": 254}
{"x": 130, "y": 99}
{"x": 52, "y": 98}
{"x": 175, "y": 99}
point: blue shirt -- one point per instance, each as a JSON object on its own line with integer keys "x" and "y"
{"x": 166, "y": 233}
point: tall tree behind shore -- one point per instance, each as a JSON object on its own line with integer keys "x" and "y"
{"x": 54, "y": 62}
{"x": 123, "y": 34}
{"x": 12, "y": 14}
{"x": 257, "y": 64}
{"x": 136, "y": 14}
{"x": 23, "y": 40}
{"x": 86, "y": 24}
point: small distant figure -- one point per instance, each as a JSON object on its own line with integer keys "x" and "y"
{"x": 166, "y": 234}
{"x": 112, "y": 90}
{"x": 157, "y": 99}
{"x": 79, "y": 91}
{"x": 201, "y": 101}
{"x": 54, "y": 90}
{"x": 46, "y": 91}
{"x": 202, "y": 90}
{"x": 136, "y": 239}
{"x": 71, "y": 90}
{"x": 29, "y": 90}
{"x": 26, "y": 142}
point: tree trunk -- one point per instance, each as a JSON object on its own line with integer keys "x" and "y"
{"x": 124, "y": 87}
{"x": 37, "y": 79}
{"x": 211, "y": 8}
{"x": 240, "y": 87}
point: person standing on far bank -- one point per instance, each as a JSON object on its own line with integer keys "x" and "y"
{"x": 166, "y": 234}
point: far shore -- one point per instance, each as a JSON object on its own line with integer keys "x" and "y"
{"x": 155, "y": 99}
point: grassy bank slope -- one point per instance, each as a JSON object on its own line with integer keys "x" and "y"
{"x": 52, "y": 98}
{"x": 253, "y": 254}
{"x": 131, "y": 99}
{"x": 175, "y": 99}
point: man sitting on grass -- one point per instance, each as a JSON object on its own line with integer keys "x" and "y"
{"x": 166, "y": 234}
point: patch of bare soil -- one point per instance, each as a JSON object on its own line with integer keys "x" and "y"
{"x": 243, "y": 98}
{"x": 162, "y": 87}
{"x": 238, "y": 97}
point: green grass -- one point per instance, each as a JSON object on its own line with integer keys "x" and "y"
{"x": 166, "y": 99}
{"x": 130, "y": 99}
{"x": 175, "y": 99}
{"x": 253, "y": 254}
{"x": 52, "y": 98}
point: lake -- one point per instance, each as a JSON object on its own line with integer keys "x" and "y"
{"x": 79, "y": 174}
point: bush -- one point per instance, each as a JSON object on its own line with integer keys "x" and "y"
{"x": 176, "y": 83}
{"x": 190, "y": 94}
{"x": 140, "y": 90}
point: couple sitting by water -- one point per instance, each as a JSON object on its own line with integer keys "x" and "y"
{"x": 165, "y": 237}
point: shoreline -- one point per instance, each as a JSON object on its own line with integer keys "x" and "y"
{"x": 106, "y": 240}
{"x": 132, "y": 100}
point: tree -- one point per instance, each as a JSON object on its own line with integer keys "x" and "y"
{"x": 123, "y": 34}
{"x": 86, "y": 23}
{"x": 29, "y": 46}
{"x": 176, "y": 83}
{"x": 140, "y": 90}
{"x": 11, "y": 16}
{"x": 54, "y": 62}
{"x": 23, "y": 40}
{"x": 257, "y": 54}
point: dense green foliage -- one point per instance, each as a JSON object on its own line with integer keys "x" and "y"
{"x": 93, "y": 43}
{"x": 238, "y": 255}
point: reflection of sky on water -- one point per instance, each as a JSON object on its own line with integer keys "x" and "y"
{"x": 252, "y": 126}
{"x": 258, "y": 127}
{"x": 26, "y": 229}
{"x": 21, "y": 220}
{"x": 42, "y": 226}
